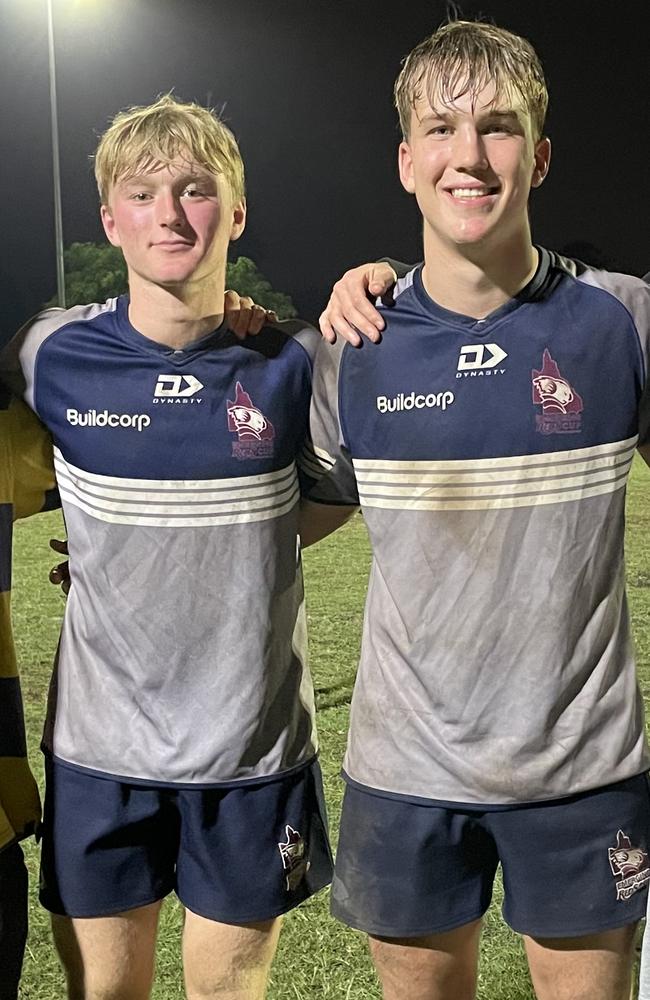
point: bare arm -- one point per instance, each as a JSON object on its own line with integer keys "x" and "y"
{"x": 317, "y": 520}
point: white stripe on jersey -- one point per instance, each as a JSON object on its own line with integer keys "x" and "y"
{"x": 178, "y": 503}
{"x": 480, "y": 484}
{"x": 315, "y": 461}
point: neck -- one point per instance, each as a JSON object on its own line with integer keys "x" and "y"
{"x": 475, "y": 280}
{"x": 179, "y": 314}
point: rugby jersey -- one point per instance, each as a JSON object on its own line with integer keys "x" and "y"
{"x": 490, "y": 458}
{"x": 26, "y": 482}
{"x": 182, "y": 658}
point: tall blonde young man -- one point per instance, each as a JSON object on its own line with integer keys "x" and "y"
{"x": 180, "y": 743}
{"x": 496, "y": 717}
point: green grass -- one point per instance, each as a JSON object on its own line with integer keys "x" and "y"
{"x": 317, "y": 958}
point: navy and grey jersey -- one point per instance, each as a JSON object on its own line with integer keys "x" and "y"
{"x": 183, "y": 651}
{"x": 490, "y": 458}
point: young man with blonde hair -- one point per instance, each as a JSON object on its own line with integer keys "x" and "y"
{"x": 180, "y": 742}
{"x": 496, "y": 717}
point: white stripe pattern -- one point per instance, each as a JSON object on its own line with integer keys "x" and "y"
{"x": 178, "y": 503}
{"x": 315, "y": 462}
{"x": 481, "y": 484}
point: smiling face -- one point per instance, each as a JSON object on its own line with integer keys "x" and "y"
{"x": 471, "y": 163}
{"x": 173, "y": 223}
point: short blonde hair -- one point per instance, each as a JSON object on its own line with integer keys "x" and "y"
{"x": 464, "y": 57}
{"x": 142, "y": 138}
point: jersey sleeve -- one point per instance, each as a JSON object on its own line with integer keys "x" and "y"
{"x": 325, "y": 461}
{"x": 634, "y": 294}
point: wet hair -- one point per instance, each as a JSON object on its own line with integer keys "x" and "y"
{"x": 463, "y": 57}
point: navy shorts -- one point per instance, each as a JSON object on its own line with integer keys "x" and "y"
{"x": 571, "y": 867}
{"x": 237, "y": 854}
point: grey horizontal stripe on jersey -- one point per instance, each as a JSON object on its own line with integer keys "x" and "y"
{"x": 181, "y": 504}
{"x": 514, "y": 482}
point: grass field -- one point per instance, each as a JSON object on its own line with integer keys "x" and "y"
{"x": 317, "y": 957}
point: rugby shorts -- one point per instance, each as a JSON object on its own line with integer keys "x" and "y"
{"x": 237, "y": 855}
{"x": 571, "y": 867}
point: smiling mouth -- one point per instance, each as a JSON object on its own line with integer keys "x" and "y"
{"x": 468, "y": 193}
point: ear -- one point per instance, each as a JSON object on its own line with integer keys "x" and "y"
{"x": 542, "y": 162}
{"x": 238, "y": 219}
{"x": 108, "y": 222}
{"x": 405, "y": 165}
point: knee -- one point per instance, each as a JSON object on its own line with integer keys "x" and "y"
{"x": 427, "y": 967}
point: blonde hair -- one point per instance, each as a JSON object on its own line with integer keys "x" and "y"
{"x": 143, "y": 138}
{"x": 464, "y": 57}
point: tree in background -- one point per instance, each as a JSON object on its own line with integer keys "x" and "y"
{"x": 95, "y": 272}
{"x": 242, "y": 276}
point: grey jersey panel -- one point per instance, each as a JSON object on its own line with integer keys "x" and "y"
{"x": 209, "y": 680}
{"x": 507, "y": 715}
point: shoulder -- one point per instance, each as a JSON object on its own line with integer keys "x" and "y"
{"x": 274, "y": 337}
{"x": 630, "y": 291}
{"x": 50, "y": 321}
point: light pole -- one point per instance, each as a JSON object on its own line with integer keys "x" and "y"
{"x": 56, "y": 170}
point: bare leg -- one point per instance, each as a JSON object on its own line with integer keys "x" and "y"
{"x": 598, "y": 967}
{"x": 435, "y": 967}
{"x": 108, "y": 958}
{"x": 227, "y": 961}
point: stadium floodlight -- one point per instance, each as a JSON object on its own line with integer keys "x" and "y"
{"x": 56, "y": 161}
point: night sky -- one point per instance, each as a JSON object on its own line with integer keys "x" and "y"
{"x": 306, "y": 85}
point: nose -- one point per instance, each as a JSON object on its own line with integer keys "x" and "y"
{"x": 469, "y": 150}
{"x": 170, "y": 212}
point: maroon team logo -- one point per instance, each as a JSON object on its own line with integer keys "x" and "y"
{"x": 292, "y": 851}
{"x": 629, "y": 866}
{"x": 561, "y": 404}
{"x": 255, "y": 433}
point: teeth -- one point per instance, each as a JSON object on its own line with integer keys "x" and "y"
{"x": 470, "y": 192}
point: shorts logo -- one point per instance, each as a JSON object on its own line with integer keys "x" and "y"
{"x": 629, "y": 865}
{"x": 292, "y": 852}
{"x": 255, "y": 433}
{"x": 561, "y": 404}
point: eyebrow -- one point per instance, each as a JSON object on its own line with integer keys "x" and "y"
{"x": 146, "y": 177}
{"x": 436, "y": 114}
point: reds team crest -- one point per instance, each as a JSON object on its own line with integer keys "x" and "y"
{"x": 629, "y": 866}
{"x": 561, "y": 404}
{"x": 292, "y": 851}
{"x": 255, "y": 433}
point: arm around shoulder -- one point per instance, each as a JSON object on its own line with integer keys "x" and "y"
{"x": 317, "y": 520}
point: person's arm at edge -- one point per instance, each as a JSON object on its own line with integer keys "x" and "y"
{"x": 318, "y": 520}
{"x": 350, "y": 312}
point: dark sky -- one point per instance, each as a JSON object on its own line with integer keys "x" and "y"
{"x": 306, "y": 86}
